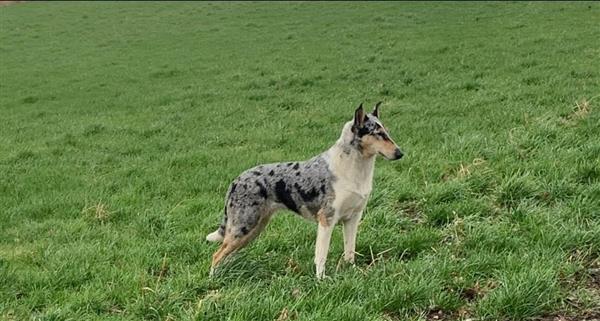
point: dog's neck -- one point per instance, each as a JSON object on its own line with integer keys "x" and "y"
{"x": 349, "y": 163}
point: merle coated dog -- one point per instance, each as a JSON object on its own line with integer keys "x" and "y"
{"x": 329, "y": 188}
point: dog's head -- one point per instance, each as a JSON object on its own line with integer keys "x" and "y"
{"x": 371, "y": 137}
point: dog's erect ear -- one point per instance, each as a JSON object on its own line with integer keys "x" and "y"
{"x": 359, "y": 117}
{"x": 376, "y": 109}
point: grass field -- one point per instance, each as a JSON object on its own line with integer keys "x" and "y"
{"x": 122, "y": 125}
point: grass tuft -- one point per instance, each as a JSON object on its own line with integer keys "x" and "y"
{"x": 98, "y": 213}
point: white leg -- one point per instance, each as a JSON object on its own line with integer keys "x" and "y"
{"x": 350, "y": 231}
{"x": 322, "y": 248}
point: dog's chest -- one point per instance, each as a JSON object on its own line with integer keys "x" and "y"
{"x": 351, "y": 196}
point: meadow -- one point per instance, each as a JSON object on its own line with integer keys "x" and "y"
{"x": 123, "y": 123}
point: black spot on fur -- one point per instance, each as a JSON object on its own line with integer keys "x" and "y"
{"x": 244, "y": 230}
{"x": 271, "y": 173}
{"x": 323, "y": 189}
{"x": 256, "y": 173}
{"x": 363, "y": 131}
{"x": 262, "y": 190}
{"x": 383, "y": 136}
{"x": 255, "y": 203}
{"x": 308, "y": 196}
{"x": 284, "y": 195}
{"x": 368, "y": 128}
{"x": 233, "y": 186}
{"x": 297, "y": 173}
{"x": 289, "y": 164}
{"x": 296, "y": 166}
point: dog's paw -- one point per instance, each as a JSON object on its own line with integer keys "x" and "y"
{"x": 324, "y": 278}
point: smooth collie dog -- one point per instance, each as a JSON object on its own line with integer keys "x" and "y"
{"x": 329, "y": 188}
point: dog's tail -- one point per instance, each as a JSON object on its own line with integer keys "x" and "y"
{"x": 219, "y": 234}
{"x": 216, "y": 236}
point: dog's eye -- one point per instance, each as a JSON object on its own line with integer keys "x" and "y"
{"x": 381, "y": 135}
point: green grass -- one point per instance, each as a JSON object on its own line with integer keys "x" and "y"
{"x": 122, "y": 125}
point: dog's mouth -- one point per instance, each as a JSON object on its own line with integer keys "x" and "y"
{"x": 397, "y": 155}
{"x": 385, "y": 156}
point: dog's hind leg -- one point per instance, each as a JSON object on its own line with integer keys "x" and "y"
{"x": 239, "y": 233}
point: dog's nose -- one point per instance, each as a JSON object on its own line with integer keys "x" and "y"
{"x": 398, "y": 154}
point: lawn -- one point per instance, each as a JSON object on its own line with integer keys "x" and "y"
{"x": 122, "y": 125}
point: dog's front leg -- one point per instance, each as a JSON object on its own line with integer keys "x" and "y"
{"x": 350, "y": 231}
{"x": 322, "y": 247}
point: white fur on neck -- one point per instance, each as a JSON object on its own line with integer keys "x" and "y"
{"x": 352, "y": 170}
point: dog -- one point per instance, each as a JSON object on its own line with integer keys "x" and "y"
{"x": 329, "y": 188}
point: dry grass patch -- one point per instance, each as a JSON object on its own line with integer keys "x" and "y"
{"x": 581, "y": 110}
{"x": 98, "y": 213}
{"x": 463, "y": 170}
